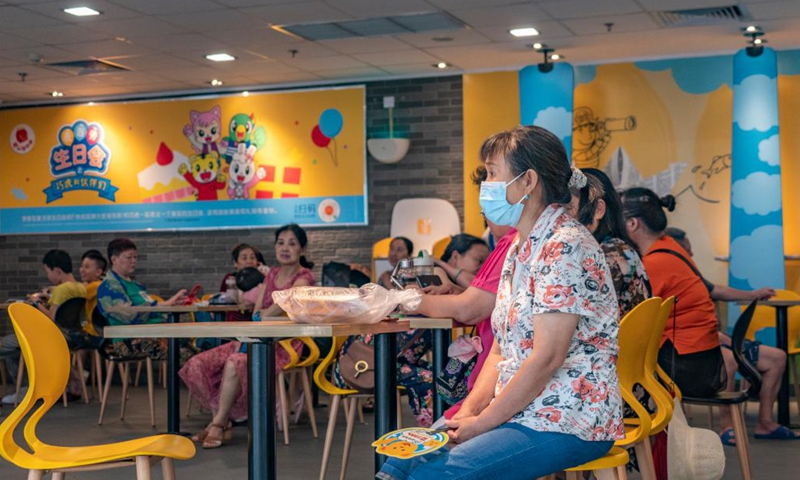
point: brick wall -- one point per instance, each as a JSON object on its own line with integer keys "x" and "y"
{"x": 429, "y": 110}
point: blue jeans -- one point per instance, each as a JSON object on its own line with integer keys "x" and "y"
{"x": 510, "y": 451}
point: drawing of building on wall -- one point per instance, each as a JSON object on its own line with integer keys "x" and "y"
{"x": 624, "y": 174}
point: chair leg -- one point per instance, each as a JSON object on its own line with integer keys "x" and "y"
{"x": 309, "y": 400}
{"x": 607, "y": 474}
{"x": 3, "y": 376}
{"x": 58, "y": 476}
{"x": 399, "y": 409}
{"x": 284, "y": 406}
{"x": 64, "y": 398}
{"x": 574, "y": 475}
{"x": 20, "y": 373}
{"x": 150, "y": 395}
{"x": 163, "y": 372}
{"x": 104, "y": 398}
{"x": 326, "y": 450}
{"x": 124, "y": 370}
{"x": 168, "y": 469}
{"x": 138, "y": 373}
{"x": 84, "y": 391}
{"x": 742, "y": 442}
{"x": 35, "y": 474}
{"x": 142, "y": 468}
{"x": 622, "y": 472}
{"x": 795, "y": 381}
{"x": 189, "y": 405}
{"x": 361, "y": 411}
{"x": 348, "y": 436}
{"x": 644, "y": 455}
{"x": 98, "y": 368}
{"x": 710, "y": 418}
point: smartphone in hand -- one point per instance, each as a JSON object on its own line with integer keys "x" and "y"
{"x": 428, "y": 280}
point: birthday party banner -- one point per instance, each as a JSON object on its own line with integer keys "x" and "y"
{"x": 260, "y": 160}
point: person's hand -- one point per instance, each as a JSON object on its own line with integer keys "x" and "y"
{"x": 445, "y": 289}
{"x": 263, "y": 269}
{"x": 177, "y": 298}
{"x": 764, "y": 293}
{"x": 464, "y": 429}
{"x": 463, "y": 413}
{"x": 361, "y": 268}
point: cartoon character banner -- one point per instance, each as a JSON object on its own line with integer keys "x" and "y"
{"x": 257, "y": 161}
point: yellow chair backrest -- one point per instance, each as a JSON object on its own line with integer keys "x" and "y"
{"x": 765, "y": 316}
{"x": 380, "y": 249}
{"x": 47, "y": 361}
{"x": 661, "y": 397}
{"x": 638, "y": 324}
{"x": 440, "y": 246}
{"x": 319, "y": 373}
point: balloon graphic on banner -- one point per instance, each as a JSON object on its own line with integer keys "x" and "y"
{"x": 331, "y": 122}
{"x": 319, "y": 138}
{"x": 67, "y": 137}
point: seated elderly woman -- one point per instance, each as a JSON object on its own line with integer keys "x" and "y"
{"x": 461, "y": 260}
{"x": 535, "y": 409}
{"x": 598, "y": 207}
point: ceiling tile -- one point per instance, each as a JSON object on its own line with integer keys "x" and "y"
{"x": 282, "y": 52}
{"x": 333, "y": 62}
{"x": 303, "y": 12}
{"x": 413, "y": 69}
{"x": 768, "y": 11}
{"x": 251, "y": 3}
{"x": 46, "y": 54}
{"x": 14, "y": 18}
{"x": 204, "y": 74}
{"x": 181, "y": 43}
{"x": 106, "y": 48}
{"x": 562, "y": 9}
{"x": 162, "y": 7}
{"x": 133, "y": 28}
{"x": 496, "y": 55}
{"x": 353, "y": 73}
{"x": 61, "y": 34}
{"x": 456, "y": 4}
{"x": 547, "y": 31}
{"x": 380, "y": 8}
{"x": 14, "y": 41}
{"x": 402, "y": 57}
{"x": 365, "y": 45}
{"x": 466, "y": 36}
{"x": 658, "y": 5}
{"x": 622, "y": 23}
{"x": 509, "y": 16}
{"x": 230, "y": 21}
{"x": 155, "y": 61}
{"x": 109, "y": 11}
{"x": 253, "y": 36}
{"x": 254, "y": 69}
{"x": 34, "y": 73}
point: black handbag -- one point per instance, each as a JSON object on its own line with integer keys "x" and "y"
{"x": 451, "y": 383}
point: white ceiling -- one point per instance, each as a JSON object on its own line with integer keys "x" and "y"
{"x": 164, "y": 42}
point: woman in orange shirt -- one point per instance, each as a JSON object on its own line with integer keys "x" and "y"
{"x": 690, "y": 350}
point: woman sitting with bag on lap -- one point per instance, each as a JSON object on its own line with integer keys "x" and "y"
{"x": 243, "y": 256}
{"x": 548, "y": 396}
{"x": 217, "y": 378}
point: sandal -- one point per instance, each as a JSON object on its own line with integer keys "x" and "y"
{"x": 780, "y": 433}
{"x": 214, "y": 441}
{"x": 728, "y": 438}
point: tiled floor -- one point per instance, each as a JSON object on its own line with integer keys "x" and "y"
{"x": 77, "y": 425}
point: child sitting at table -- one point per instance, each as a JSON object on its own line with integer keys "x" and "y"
{"x": 243, "y": 256}
{"x": 93, "y": 269}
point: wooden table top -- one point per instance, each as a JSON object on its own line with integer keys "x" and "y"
{"x": 435, "y": 323}
{"x": 269, "y": 327}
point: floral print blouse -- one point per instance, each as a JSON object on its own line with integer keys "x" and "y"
{"x": 627, "y": 274}
{"x": 561, "y": 269}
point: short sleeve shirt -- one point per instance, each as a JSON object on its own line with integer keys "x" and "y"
{"x": 627, "y": 274}
{"x": 560, "y": 268}
{"x": 67, "y": 291}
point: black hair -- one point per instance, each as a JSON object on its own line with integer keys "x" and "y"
{"x": 645, "y": 204}
{"x": 461, "y": 243}
{"x": 58, "y": 259}
{"x": 97, "y": 257}
{"x": 238, "y": 249}
{"x": 613, "y": 223}
{"x": 676, "y": 233}
{"x": 409, "y": 244}
{"x": 479, "y": 175}
{"x": 248, "y": 278}
{"x": 302, "y": 238}
{"x": 533, "y": 148}
{"x": 119, "y": 245}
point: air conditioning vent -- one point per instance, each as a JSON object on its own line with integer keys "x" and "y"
{"x": 703, "y": 16}
{"x": 373, "y": 27}
{"x": 88, "y": 67}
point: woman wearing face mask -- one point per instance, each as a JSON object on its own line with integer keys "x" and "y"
{"x": 548, "y": 396}
{"x": 598, "y": 207}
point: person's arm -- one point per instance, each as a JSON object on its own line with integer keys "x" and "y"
{"x": 274, "y": 310}
{"x": 460, "y": 277}
{"x": 469, "y": 307}
{"x": 553, "y": 333}
{"x": 47, "y": 309}
{"x": 727, "y": 294}
{"x": 175, "y": 299}
{"x": 483, "y": 390}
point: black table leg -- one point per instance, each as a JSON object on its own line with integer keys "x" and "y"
{"x": 385, "y": 388}
{"x": 441, "y": 341}
{"x": 782, "y": 337}
{"x": 261, "y": 453}
{"x": 173, "y": 387}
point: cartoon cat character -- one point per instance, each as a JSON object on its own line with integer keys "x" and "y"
{"x": 243, "y": 172}
{"x": 243, "y": 129}
{"x": 396, "y": 448}
{"x": 203, "y": 173}
{"x": 203, "y": 130}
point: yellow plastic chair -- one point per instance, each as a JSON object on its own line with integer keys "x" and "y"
{"x": 440, "y": 246}
{"x": 46, "y": 354}
{"x": 380, "y": 249}
{"x": 297, "y": 367}
{"x": 638, "y": 324}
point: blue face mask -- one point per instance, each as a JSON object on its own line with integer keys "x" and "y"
{"x": 495, "y": 206}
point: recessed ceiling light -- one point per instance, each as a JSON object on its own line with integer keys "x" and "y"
{"x": 441, "y": 65}
{"x": 91, "y": 104}
{"x": 55, "y": 93}
{"x": 220, "y": 57}
{"x": 524, "y": 32}
{"x": 537, "y": 46}
{"x": 215, "y": 82}
{"x": 757, "y": 41}
{"x": 555, "y": 56}
{"x": 751, "y": 29}
{"x": 81, "y": 11}
{"x": 245, "y": 93}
